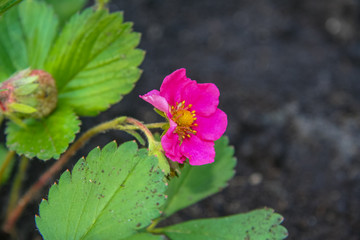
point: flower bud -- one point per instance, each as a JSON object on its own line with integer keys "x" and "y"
{"x": 28, "y": 94}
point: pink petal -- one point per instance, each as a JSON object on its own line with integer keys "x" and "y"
{"x": 204, "y": 97}
{"x": 171, "y": 144}
{"x": 171, "y": 87}
{"x": 198, "y": 152}
{"x": 212, "y": 127}
{"x": 153, "y": 97}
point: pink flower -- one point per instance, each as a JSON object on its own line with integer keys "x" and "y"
{"x": 194, "y": 118}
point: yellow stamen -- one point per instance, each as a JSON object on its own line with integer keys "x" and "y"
{"x": 184, "y": 119}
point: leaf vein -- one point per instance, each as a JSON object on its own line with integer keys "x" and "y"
{"x": 110, "y": 199}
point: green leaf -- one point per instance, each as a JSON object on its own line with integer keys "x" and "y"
{"x": 22, "y": 108}
{"x": 94, "y": 61}
{"x": 40, "y": 27}
{"x": 198, "y": 182}
{"x": 144, "y": 236}
{"x": 261, "y": 224}
{"x": 7, "y": 4}
{"x": 26, "y": 89}
{"x": 110, "y": 195}
{"x": 46, "y": 138}
{"x": 27, "y": 32}
{"x": 64, "y": 9}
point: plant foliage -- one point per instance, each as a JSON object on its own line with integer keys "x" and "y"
{"x": 198, "y": 182}
{"x": 261, "y": 224}
{"x": 45, "y": 138}
{"x": 64, "y": 9}
{"x": 7, "y": 4}
{"x": 110, "y": 195}
{"x": 92, "y": 59}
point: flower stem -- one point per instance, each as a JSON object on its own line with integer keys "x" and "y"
{"x": 153, "y": 224}
{"x": 155, "y": 230}
{"x": 155, "y": 125}
{"x": 16, "y": 187}
{"x": 47, "y": 176}
{"x": 9, "y": 156}
{"x": 142, "y": 127}
{"x": 101, "y": 4}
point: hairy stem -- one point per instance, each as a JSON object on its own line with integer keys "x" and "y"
{"x": 16, "y": 187}
{"x": 143, "y": 128}
{"x": 9, "y": 156}
{"x": 47, "y": 176}
{"x": 156, "y": 230}
{"x": 153, "y": 224}
{"x": 101, "y": 4}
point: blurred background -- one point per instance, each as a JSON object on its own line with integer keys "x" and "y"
{"x": 288, "y": 72}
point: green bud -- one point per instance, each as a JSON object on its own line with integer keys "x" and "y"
{"x": 156, "y": 149}
{"x": 28, "y": 94}
{"x": 170, "y": 168}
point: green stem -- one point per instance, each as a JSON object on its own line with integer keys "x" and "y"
{"x": 47, "y": 176}
{"x": 156, "y": 125}
{"x": 142, "y": 127}
{"x": 153, "y": 224}
{"x": 101, "y": 4}
{"x": 16, "y": 187}
{"x": 9, "y": 156}
{"x": 156, "y": 230}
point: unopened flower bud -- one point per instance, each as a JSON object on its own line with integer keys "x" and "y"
{"x": 28, "y": 94}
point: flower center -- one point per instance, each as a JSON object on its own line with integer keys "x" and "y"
{"x": 185, "y": 120}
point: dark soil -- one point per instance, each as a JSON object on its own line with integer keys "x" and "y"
{"x": 288, "y": 73}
